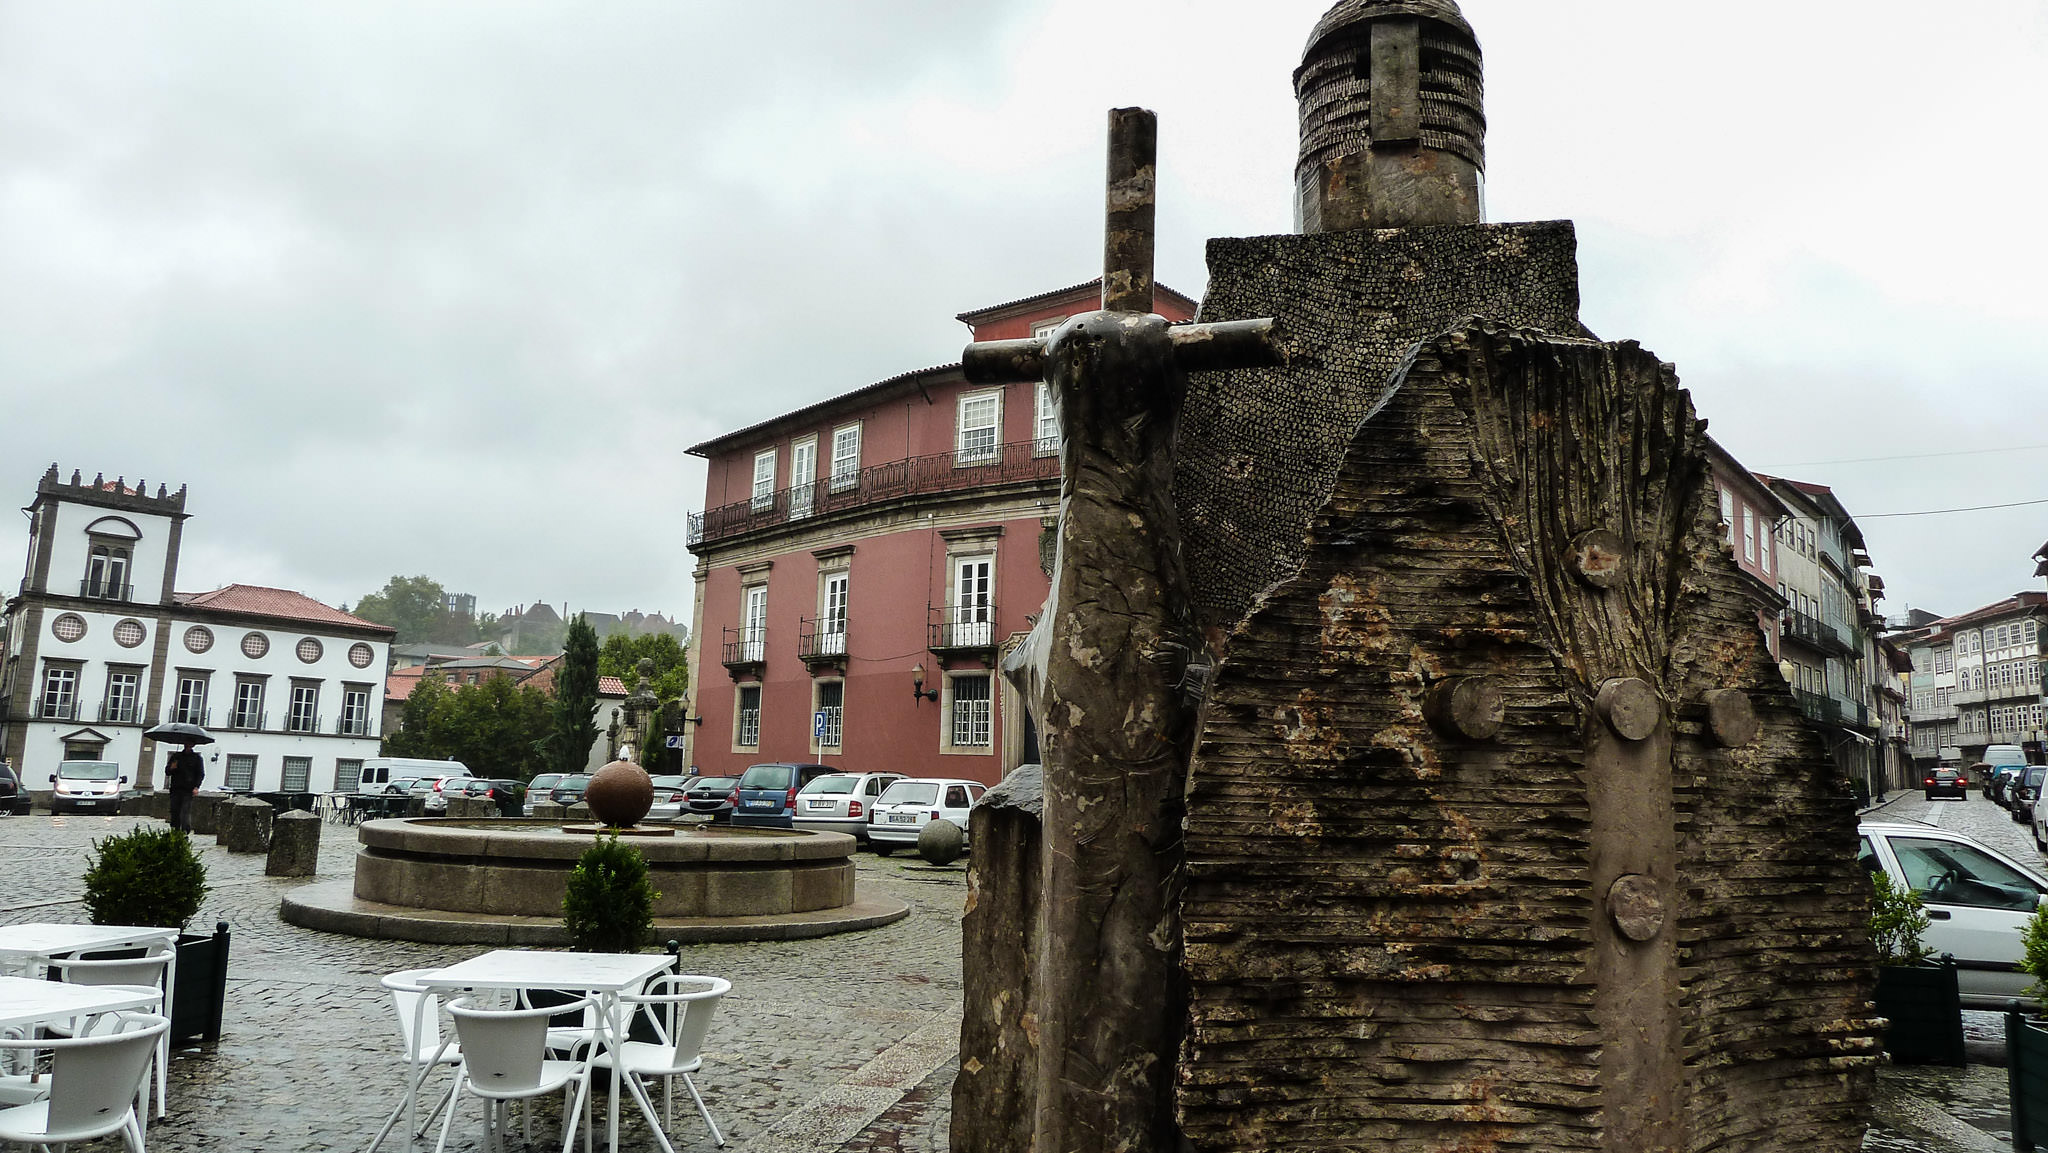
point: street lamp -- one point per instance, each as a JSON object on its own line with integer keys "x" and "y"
{"x": 918, "y": 693}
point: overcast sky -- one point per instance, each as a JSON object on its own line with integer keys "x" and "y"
{"x": 447, "y": 288}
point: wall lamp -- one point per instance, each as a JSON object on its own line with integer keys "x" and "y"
{"x": 918, "y": 692}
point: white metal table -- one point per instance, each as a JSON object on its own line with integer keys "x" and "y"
{"x": 25, "y": 947}
{"x": 25, "y": 1002}
{"x": 602, "y": 975}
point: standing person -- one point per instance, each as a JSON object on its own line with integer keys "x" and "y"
{"x": 183, "y": 772}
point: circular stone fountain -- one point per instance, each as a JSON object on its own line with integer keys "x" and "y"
{"x": 500, "y": 882}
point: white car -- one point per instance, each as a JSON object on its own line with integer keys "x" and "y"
{"x": 1978, "y": 898}
{"x": 907, "y": 806}
{"x": 841, "y": 802}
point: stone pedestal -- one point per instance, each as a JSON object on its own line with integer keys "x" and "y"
{"x": 577, "y": 812}
{"x": 206, "y": 808}
{"x": 471, "y": 808}
{"x": 294, "y": 846}
{"x": 548, "y": 811}
{"x": 995, "y": 1092}
{"x": 245, "y": 825}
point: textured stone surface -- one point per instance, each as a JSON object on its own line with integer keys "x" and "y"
{"x": 294, "y": 845}
{"x": 206, "y": 809}
{"x": 245, "y": 825}
{"x": 620, "y": 794}
{"x": 941, "y": 842}
{"x": 995, "y": 1092}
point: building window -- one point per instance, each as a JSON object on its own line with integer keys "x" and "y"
{"x": 355, "y": 713}
{"x": 803, "y": 475}
{"x": 1748, "y": 534}
{"x": 971, "y": 720}
{"x": 828, "y": 715}
{"x": 241, "y": 774}
{"x": 1728, "y": 513}
{"x": 764, "y": 481}
{"x": 1043, "y": 330}
{"x": 304, "y": 716}
{"x": 124, "y": 687}
{"x": 747, "y": 721}
{"x": 255, "y": 646}
{"x": 198, "y": 639}
{"x": 309, "y": 650}
{"x": 348, "y": 775}
{"x": 754, "y": 623}
{"x": 360, "y": 655}
{"x": 970, "y": 619}
{"x": 106, "y": 573}
{"x": 980, "y": 428}
{"x": 190, "y": 708}
{"x": 59, "y": 701}
{"x": 129, "y": 633}
{"x": 832, "y": 615}
{"x": 845, "y": 458}
{"x": 68, "y": 627}
{"x": 248, "y": 705}
{"x": 1045, "y": 439}
{"x": 298, "y": 774}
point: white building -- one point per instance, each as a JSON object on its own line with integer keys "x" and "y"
{"x": 1976, "y": 681}
{"x": 100, "y": 646}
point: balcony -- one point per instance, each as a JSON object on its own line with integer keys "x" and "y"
{"x": 247, "y": 721}
{"x": 1815, "y": 633}
{"x": 1819, "y": 707}
{"x": 917, "y": 476}
{"x": 822, "y": 644}
{"x": 962, "y": 629}
{"x": 352, "y": 727}
{"x": 745, "y": 651}
{"x": 105, "y": 590}
{"x": 58, "y": 710}
{"x": 117, "y": 712}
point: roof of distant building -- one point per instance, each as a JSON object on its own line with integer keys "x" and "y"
{"x": 277, "y": 604}
{"x": 610, "y": 687}
{"x": 977, "y": 317}
{"x": 2017, "y": 603}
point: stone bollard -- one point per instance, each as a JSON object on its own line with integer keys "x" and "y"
{"x": 472, "y": 808}
{"x": 159, "y": 806}
{"x": 245, "y": 826}
{"x": 294, "y": 846}
{"x": 134, "y": 804}
{"x": 549, "y": 811}
{"x": 578, "y": 813}
{"x": 994, "y": 1094}
{"x": 206, "y": 808}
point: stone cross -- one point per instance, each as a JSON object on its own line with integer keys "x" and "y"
{"x": 1106, "y": 675}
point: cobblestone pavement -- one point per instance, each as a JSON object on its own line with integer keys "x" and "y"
{"x": 840, "y": 1044}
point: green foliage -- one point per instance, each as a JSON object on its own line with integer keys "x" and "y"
{"x": 147, "y": 876}
{"x": 1896, "y": 922}
{"x": 609, "y": 906}
{"x": 654, "y": 754}
{"x": 495, "y": 727}
{"x": 416, "y": 607}
{"x": 621, "y": 654}
{"x": 2034, "y": 955}
{"x": 575, "y": 707}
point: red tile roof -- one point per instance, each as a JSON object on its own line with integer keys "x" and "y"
{"x": 400, "y": 684}
{"x": 610, "y": 687}
{"x": 278, "y": 604}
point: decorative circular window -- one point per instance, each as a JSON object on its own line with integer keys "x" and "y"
{"x": 309, "y": 649}
{"x": 255, "y": 645}
{"x": 198, "y": 639}
{"x": 68, "y": 627}
{"x": 130, "y": 633}
{"x": 360, "y": 655}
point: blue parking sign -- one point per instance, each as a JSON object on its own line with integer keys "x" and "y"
{"x": 818, "y": 725}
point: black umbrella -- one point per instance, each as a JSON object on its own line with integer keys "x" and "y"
{"x": 180, "y": 733}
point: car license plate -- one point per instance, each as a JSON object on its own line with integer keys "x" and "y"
{"x": 816, "y": 805}
{"x": 761, "y": 804}
{"x": 902, "y": 818}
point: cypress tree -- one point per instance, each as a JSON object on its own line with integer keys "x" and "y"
{"x": 576, "y": 700}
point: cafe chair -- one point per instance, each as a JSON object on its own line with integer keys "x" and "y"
{"x": 95, "y": 1082}
{"x": 504, "y": 1059}
{"x": 140, "y": 973}
{"x": 417, "y": 1007}
{"x": 682, "y": 1007}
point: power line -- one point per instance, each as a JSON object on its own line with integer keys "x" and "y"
{"x": 1947, "y": 511}
{"x": 1916, "y": 456}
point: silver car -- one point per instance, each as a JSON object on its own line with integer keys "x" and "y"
{"x": 841, "y": 802}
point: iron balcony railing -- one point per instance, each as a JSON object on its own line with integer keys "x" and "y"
{"x": 247, "y": 721}
{"x": 918, "y": 475}
{"x": 1815, "y": 632}
{"x": 356, "y": 727}
{"x": 1819, "y": 706}
{"x": 956, "y": 628}
{"x": 49, "y": 710}
{"x": 745, "y": 647}
{"x": 188, "y": 716}
{"x": 819, "y": 640}
{"x": 105, "y": 590}
{"x": 117, "y": 712}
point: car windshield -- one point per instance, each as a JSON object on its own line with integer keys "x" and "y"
{"x": 547, "y": 780}
{"x": 89, "y": 770}
{"x": 715, "y": 784}
{"x": 2034, "y": 775}
{"x": 573, "y": 784}
{"x": 1952, "y": 873}
{"x": 837, "y": 783}
{"x": 667, "y": 782}
{"x": 911, "y": 793}
{"x": 769, "y": 777}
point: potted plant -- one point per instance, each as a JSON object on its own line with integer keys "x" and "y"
{"x": 2026, "y": 1043}
{"x": 609, "y": 903}
{"x": 1918, "y": 997}
{"x": 151, "y": 876}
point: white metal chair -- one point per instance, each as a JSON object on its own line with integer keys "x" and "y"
{"x": 418, "y": 1009}
{"x": 682, "y": 1006}
{"x": 139, "y": 973}
{"x": 504, "y": 1059}
{"x": 96, "y": 1084}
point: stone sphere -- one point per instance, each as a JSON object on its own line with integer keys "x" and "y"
{"x": 620, "y": 794}
{"x": 941, "y": 842}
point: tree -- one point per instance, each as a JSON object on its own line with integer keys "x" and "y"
{"x": 575, "y": 708}
{"x": 496, "y": 728}
{"x": 417, "y": 607}
{"x": 621, "y": 654}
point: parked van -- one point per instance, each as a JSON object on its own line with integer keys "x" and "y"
{"x": 2004, "y": 755}
{"x": 380, "y": 772}
{"x": 89, "y": 786}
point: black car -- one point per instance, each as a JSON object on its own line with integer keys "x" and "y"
{"x": 510, "y": 795}
{"x": 711, "y": 797}
{"x": 13, "y": 798}
{"x": 1947, "y": 783}
{"x": 2020, "y": 794}
{"x": 569, "y": 790}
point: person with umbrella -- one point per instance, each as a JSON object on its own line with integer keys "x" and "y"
{"x": 184, "y": 769}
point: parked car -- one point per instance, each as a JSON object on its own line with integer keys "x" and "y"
{"x": 910, "y": 804}
{"x": 541, "y": 788}
{"x": 712, "y": 797}
{"x": 436, "y": 789}
{"x": 841, "y": 802}
{"x": 2021, "y": 793}
{"x": 86, "y": 786}
{"x": 14, "y": 797}
{"x": 569, "y": 790}
{"x": 767, "y": 792}
{"x": 1985, "y": 777}
{"x": 669, "y": 789}
{"x": 509, "y": 794}
{"x": 379, "y": 774}
{"x": 1979, "y": 900}
{"x": 1947, "y": 783}
{"x": 2001, "y": 779}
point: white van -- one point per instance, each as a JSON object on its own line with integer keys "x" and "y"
{"x": 380, "y": 772}
{"x": 1996, "y": 755}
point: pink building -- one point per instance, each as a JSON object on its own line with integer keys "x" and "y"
{"x": 1750, "y": 515}
{"x": 899, "y": 536}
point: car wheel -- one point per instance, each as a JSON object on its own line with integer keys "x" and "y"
{"x": 881, "y": 850}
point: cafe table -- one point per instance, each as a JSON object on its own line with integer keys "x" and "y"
{"x": 25, "y": 1003}
{"x": 602, "y": 975}
{"x": 24, "y": 948}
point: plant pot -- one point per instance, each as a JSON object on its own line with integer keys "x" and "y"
{"x": 201, "y": 992}
{"x": 2026, "y": 1072}
{"x": 1925, "y": 1011}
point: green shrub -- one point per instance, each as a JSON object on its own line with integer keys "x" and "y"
{"x": 1896, "y": 922}
{"x": 148, "y": 876}
{"x": 2034, "y": 957}
{"x": 609, "y": 906}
